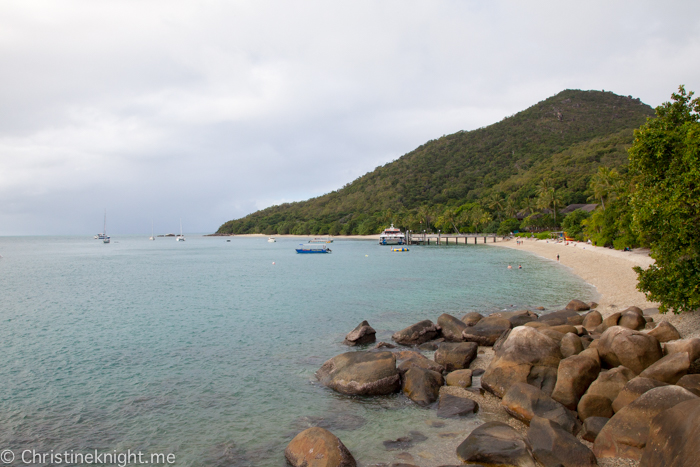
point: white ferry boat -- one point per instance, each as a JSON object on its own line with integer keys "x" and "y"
{"x": 392, "y": 236}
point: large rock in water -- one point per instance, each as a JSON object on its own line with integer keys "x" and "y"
{"x": 632, "y": 349}
{"x": 451, "y": 327}
{"x": 633, "y": 389}
{"x": 522, "y": 354}
{"x": 552, "y": 445}
{"x": 471, "y": 318}
{"x": 361, "y": 335}
{"x": 578, "y": 305}
{"x": 626, "y": 434}
{"x": 487, "y": 330}
{"x": 574, "y": 375}
{"x": 416, "y": 334}
{"x": 318, "y": 447}
{"x": 525, "y": 402}
{"x": 361, "y": 373}
{"x": 669, "y": 369}
{"x": 456, "y": 356}
{"x": 674, "y": 437}
{"x": 495, "y": 443}
{"x": 453, "y": 406}
{"x": 422, "y": 386}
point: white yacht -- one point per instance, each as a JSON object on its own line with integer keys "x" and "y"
{"x": 271, "y": 240}
{"x": 180, "y": 238}
{"x": 392, "y": 236}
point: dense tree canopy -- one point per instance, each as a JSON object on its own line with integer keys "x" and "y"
{"x": 500, "y": 168}
{"x": 665, "y": 162}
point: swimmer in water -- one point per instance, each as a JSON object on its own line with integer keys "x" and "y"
{"x": 510, "y": 267}
{"x": 520, "y": 266}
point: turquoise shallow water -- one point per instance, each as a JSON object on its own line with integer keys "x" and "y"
{"x": 206, "y": 349}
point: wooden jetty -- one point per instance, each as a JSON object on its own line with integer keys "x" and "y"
{"x": 416, "y": 238}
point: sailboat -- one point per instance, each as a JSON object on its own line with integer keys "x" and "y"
{"x": 180, "y": 238}
{"x": 101, "y": 236}
{"x": 152, "y": 237}
{"x": 105, "y": 237}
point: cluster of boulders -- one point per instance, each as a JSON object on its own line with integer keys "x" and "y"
{"x": 620, "y": 382}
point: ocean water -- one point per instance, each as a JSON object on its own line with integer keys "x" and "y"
{"x": 207, "y": 349}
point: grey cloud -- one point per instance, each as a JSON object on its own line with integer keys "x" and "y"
{"x": 208, "y": 110}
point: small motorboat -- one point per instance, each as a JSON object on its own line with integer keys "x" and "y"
{"x": 271, "y": 240}
{"x": 313, "y": 248}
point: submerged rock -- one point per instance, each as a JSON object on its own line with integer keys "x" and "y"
{"x": 361, "y": 373}
{"x": 452, "y": 406}
{"x": 318, "y": 447}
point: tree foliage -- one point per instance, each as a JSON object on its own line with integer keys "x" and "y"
{"x": 665, "y": 159}
{"x": 564, "y": 138}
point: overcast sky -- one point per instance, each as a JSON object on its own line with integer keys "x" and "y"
{"x": 209, "y": 110}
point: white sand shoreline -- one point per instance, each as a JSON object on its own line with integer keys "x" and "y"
{"x": 609, "y": 271}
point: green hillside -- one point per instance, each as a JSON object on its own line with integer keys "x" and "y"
{"x": 489, "y": 172}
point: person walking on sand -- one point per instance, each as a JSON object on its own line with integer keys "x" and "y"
{"x": 557, "y": 258}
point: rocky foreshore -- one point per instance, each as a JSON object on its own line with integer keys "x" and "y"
{"x": 572, "y": 387}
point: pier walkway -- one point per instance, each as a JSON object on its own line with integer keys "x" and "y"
{"x": 414, "y": 238}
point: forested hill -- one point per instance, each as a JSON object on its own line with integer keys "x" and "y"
{"x": 564, "y": 138}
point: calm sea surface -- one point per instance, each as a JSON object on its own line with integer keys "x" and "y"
{"x": 207, "y": 350}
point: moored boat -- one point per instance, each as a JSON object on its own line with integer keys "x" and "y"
{"x": 271, "y": 240}
{"x": 392, "y": 236}
{"x": 311, "y": 248}
{"x": 321, "y": 240}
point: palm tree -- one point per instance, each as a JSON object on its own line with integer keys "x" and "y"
{"x": 511, "y": 208}
{"x": 529, "y": 205}
{"x": 603, "y": 184}
{"x": 496, "y": 203}
{"x": 425, "y": 216}
{"x": 549, "y": 198}
{"x": 450, "y": 217}
{"x": 480, "y": 217}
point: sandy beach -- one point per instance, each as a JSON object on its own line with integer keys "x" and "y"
{"x": 611, "y": 273}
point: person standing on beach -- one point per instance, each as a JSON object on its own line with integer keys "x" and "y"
{"x": 557, "y": 258}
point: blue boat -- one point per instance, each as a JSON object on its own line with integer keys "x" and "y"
{"x": 313, "y": 248}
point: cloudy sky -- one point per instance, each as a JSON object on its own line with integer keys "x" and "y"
{"x": 209, "y": 110}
